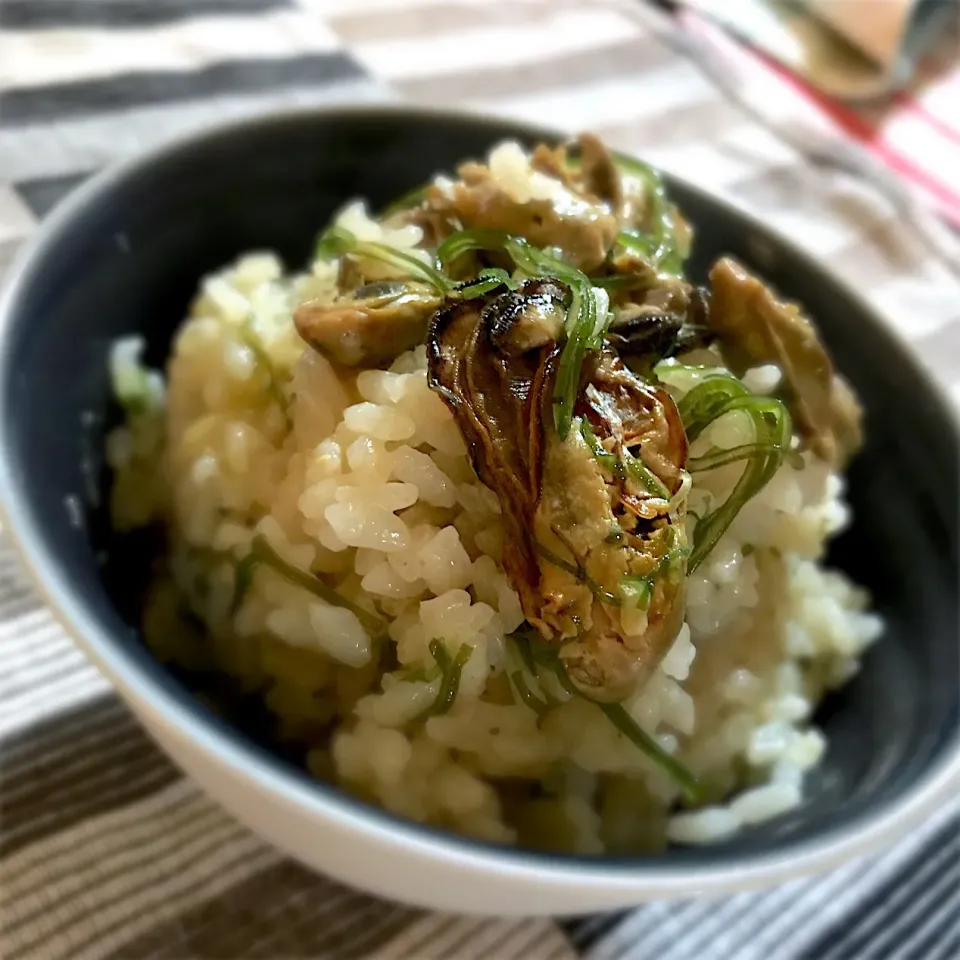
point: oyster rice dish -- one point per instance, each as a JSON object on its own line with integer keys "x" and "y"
{"x": 505, "y": 524}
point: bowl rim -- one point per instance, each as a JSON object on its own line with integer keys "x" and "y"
{"x": 248, "y": 761}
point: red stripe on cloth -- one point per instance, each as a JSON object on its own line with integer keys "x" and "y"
{"x": 844, "y": 120}
{"x": 872, "y": 136}
{"x": 917, "y": 107}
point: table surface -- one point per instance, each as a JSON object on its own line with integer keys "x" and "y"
{"x": 105, "y": 849}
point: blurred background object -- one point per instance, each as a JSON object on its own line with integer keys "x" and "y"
{"x": 871, "y": 87}
{"x": 854, "y": 50}
{"x": 105, "y": 850}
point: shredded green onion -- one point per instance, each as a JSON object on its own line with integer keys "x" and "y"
{"x": 617, "y": 714}
{"x": 469, "y": 241}
{"x": 637, "y": 591}
{"x": 495, "y": 273}
{"x": 616, "y": 535}
{"x": 640, "y": 243}
{"x": 407, "y": 201}
{"x": 720, "y": 457}
{"x": 251, "y": 340}
{"x": 262, "y": 553}
{"x": 134, "y": 394}
{"x": 718, "y": 394}
{"x": 640, "y": 472}
{"x": 708, "y": 400}
{"x": 419, "y": 675}
{"x": 335, "y": 241}
{"x": 535, "y": 652}
{"x": 529, "y": 698}
{"x": 584, "y": 333}
{"x": 662, "y": 245}
{"x": 567, "y": 385}
{"x": 487, "y": 280}
{"x": 523, "y": 641}
{"x": 450, "y": 670}
{"x": 543, "y": 704}
{"x": 609, "y": 461}
{"x": 629, "y": 466}
{"x": 131, "y": 384}
{"x": 243, "y": 579}
{"x": 577, "y": 571}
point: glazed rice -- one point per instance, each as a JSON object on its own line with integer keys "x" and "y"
{"x": 364, "y": 478}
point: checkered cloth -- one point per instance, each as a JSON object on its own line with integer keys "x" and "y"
{"x": 105, "y": 849}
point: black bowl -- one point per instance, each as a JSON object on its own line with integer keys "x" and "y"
{"x": 124, "y": 256}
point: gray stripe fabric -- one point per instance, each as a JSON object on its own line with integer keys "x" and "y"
{"x": 306, "y": 914}
{"x": 105, "y": 849}
{"x": 43, "y": 194}
{"x": 51, "y": 103}
{"x": 799, "y": 919}
{"x": 77, "y": 764}
{"x": 44, "y": 153}
{"x": 894, "y": 912}
{"x": 114, "y": 14}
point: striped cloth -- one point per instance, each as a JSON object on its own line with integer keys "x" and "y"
{"x": 105, "y": 849}
{"x": 914, "y": 134}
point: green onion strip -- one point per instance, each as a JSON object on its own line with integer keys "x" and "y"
{"x": 252, "y": 341}
{"x": 451, "y": 669}
{"x": 262, "y": 553}
{"x": 706, "y": 402}
{"x": 534, "y": 653}
{"x": 336, "y": 242}
{"x": 584, "y": 333}
{"x": 661, "y": 246}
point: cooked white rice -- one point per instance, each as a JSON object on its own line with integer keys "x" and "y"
{"x": 370, "y": 484}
